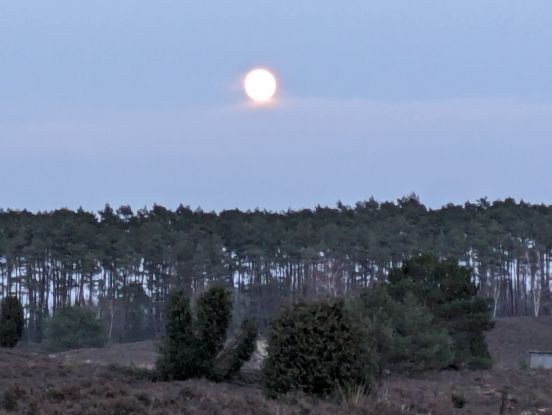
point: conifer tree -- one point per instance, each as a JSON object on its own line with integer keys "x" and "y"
{"x": 177, "y": 359}
{"x": 194, "y": 347}
{"x": 406, "y": 334}
{"x": 447, "y": 290}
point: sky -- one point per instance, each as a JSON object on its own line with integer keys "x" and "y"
{"x": 133, "y": 102}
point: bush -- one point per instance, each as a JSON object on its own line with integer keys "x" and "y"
{"x": 177, "y": 360}
{"x": 420, "y": 344}
{"x": 446, "y": 289}
{"x": 9, "y": 401}
{"x": 406, "y": 337}
{"x": 195, "y": 347}
{"x": 315, "y": 348}
{"x": 74, "y": 327}
{"x": 229, "y": 362}
{"x": 213, "y": 314}
{"x": 11, "y": 322}
{"x": 458, "y": 401}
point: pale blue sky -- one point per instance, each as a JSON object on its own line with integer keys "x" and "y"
{"x": 135, "y": 102}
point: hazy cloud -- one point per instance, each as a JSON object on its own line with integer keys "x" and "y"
{"x": 298, "y": 153}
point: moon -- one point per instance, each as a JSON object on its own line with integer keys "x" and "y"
{"x": 260, "y": 85}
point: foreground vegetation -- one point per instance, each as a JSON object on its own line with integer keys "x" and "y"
{"x": 194, "y": 346}
{"x": 79, "y": 382}
{"x": 427, "y": 317}
{"x": 11, "y": 321}
{"x": 63, "y": 383}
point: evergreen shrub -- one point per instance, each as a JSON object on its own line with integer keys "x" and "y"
{"x": 406, "y": 336}
{"x": 316, "y": 348}
{"x": 236, "y": 353}
{"x": 74, "y": 327}
{"x": 11, "y": 321}
{"x": 177, "y": 360}
{"x": 447, "y": 290}
{"x": 195, "y": 346}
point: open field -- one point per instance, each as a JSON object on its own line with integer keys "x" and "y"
{"x": 82, "y": 382}
{"x": 513, "y": 337}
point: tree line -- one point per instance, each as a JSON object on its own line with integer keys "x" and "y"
{"x": 125, "y": 263}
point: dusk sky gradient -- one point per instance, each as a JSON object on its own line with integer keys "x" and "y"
{"x": 135, "y": 102}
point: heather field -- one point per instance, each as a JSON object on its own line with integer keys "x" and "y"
{"x": 94, "y": 381}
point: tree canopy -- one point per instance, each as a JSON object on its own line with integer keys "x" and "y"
{"x": 50, "y": 260}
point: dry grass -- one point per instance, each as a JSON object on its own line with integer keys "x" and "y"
{"x": 513, "y": 337}
{"x": 31, "y": 383}
{"x": 35, "y": 384}
{"x": 353, "y": 395}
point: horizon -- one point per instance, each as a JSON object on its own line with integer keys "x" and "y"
{"x": 337, "y": 205}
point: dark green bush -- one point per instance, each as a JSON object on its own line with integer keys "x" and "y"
{"x": 316, "y": 348}
{"x": 177, "y": 359}
{"x": 9, "y": 401}
{"x": 11, "y": 322}
{"x": 458, "y": 400}
{"x": 213, "y": 314}
{"x": 74, "y": 327}
{"x": 447, "y": 290}
{"x": 406, "y": 336}
{"x": 230, "y": 360}
{"x": 195, "y": 347}
{"x": 10, "y": 398}
{"x": 377, "y": 312}
{"x": 467, "y": 320}
{"x": 420, "y": 344}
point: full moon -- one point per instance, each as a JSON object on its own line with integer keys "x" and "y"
{"x": 260, "y": 85}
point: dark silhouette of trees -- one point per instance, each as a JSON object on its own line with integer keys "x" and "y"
{"x": 50, "y": 260}
{"x": 11, "y": 322}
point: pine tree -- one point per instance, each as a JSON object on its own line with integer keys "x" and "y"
{"x": 406, "y": 335}
{"x": 446, "y": 289}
